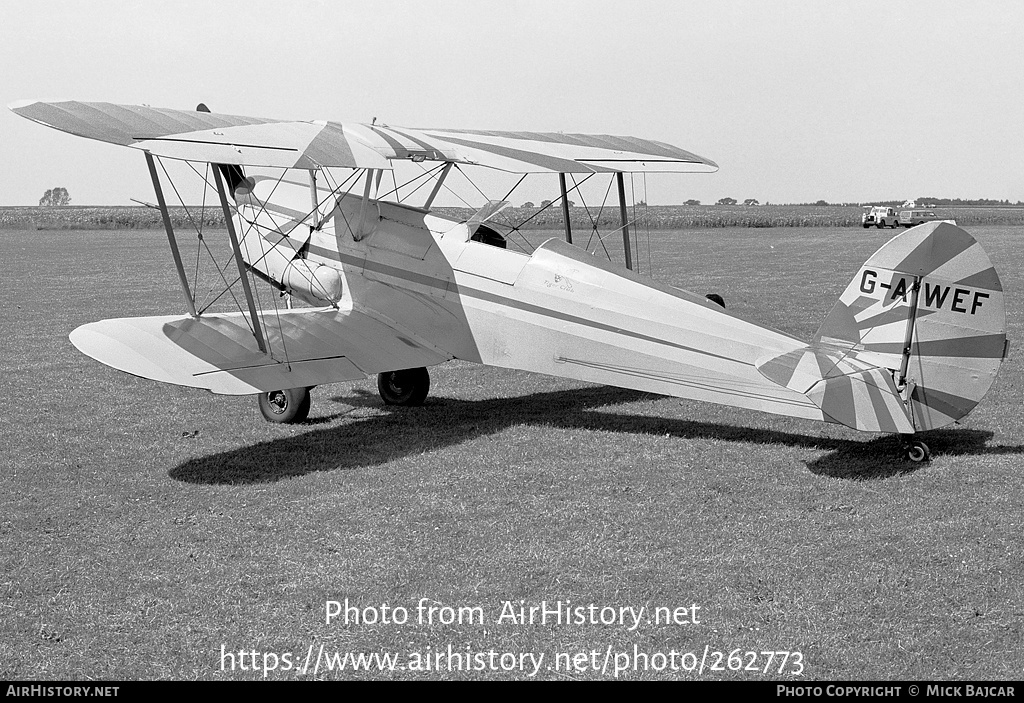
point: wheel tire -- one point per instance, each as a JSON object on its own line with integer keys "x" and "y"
{"x": 918, "y": 452}
{"x": 716, "y": 298}
{"x": 406, "y": 387}
{"x": 287, "y": 406}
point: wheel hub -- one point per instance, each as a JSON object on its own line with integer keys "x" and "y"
{"x": 278, "y": 401}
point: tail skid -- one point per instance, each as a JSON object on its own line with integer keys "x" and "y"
{"x": 914, "y": 342}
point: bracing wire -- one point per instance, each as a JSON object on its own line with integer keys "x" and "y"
{"x": 198, "y": 230}
{"x": 445, "y": 186}
{"x": 552, "y": 203}
{"x": 199, "y": 246}
{"x": 429, "y": 173}
{"x": 251, "y": 226}
{"x": 594, "y": 223}
{"x": 248, "y": 226}
{"x": 220, "y": 270}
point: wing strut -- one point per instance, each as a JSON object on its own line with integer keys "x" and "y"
{"x": 229, "y": 220}
{"x": 565, "y": 208}
{"x": 361, "y": 227}
{"x": 314, "y": 197}
{"x": 437, "y": 186}
{"x": 625, "y": 220}
{"x": 162, "y": 204}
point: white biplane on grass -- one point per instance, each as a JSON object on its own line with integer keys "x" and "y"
{"x": 913, "y": 344}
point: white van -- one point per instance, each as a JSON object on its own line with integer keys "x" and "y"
{"x": 880, "y": 216}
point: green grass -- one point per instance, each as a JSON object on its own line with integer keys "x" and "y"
{"x": 142, "y": 526}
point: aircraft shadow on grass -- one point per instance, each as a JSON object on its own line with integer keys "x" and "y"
{"x": 444, "y": 422}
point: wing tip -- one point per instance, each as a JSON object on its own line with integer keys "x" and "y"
{"x": 20, "y": 105}
{"x": 24, "y": 108}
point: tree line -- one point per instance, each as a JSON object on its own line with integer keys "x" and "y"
{"x": 55, "y": 197}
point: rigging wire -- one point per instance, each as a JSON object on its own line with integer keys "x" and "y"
{"x": 341, "y": 210}
{"x": 472, "y": 183}
{"x": 409, "y": 182}
{"x": 220, "y": 269}
{"x": 203, "y": 240}
{"x": 527, "y": 249}
{"x": 594, "y": 224}
{"x": 505, "y": 219}
{"x": 253, "y": 226}
{"x": 552, "y": 203}
{"x": 199, "y": 247}
{"x": 229, "y": 286}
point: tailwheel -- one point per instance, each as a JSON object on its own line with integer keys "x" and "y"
{"x": 918, "y": 452}
{"x": 406, "y": 387}
{"x": 287, "y": 406}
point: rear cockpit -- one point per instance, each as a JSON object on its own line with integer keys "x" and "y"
{"x": 486, "y": 235}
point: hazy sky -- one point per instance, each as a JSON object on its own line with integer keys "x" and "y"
{"x": 795, "y": 99}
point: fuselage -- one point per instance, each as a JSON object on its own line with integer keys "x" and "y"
{"x": 557, "y": 311}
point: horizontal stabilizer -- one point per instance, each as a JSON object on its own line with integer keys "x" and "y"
{"x": 866, "y": 401}
{"x": 801, "y": 369}
{"x": 309, "y": 347}
{"x": 847, "y": 387}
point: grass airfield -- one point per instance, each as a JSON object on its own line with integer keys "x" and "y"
{"x": 143, "y": 527}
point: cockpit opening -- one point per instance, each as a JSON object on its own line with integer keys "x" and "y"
{"x": 486, "y": 235}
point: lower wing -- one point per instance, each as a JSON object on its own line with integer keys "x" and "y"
{"x": 308, "y": 347}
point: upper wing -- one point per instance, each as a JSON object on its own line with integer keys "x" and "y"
{"x": 541, "y": 152}
{"x": 219, "y": 352}
{"x": 253, "y": 141}
{"x": 204, "y": 136}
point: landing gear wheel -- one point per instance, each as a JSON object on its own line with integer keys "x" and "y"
{"x": 716, "y": 298}
{"x": 408, "y": 387}
{"x": 287, "y": 406}
{"x": 918, "y": 452}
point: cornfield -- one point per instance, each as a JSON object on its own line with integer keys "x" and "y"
{"x": 654, "y": 217}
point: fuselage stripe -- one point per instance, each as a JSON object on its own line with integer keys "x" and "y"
{"x": 441, "y": 284}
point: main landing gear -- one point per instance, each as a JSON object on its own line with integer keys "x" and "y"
{"x": 287, "y": 406}
{"x": 290, "y": 406}
{"x": 407, "y": 387}
{"x": 917, "y": 451}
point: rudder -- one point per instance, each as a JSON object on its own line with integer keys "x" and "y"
{"x": 929, "y": 306}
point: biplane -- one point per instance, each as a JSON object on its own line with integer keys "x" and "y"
{"x": 384, "y": 286}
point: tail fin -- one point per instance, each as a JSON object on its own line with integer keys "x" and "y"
{"x": 929, "y": 307}
{"x": 914, "y": 342}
